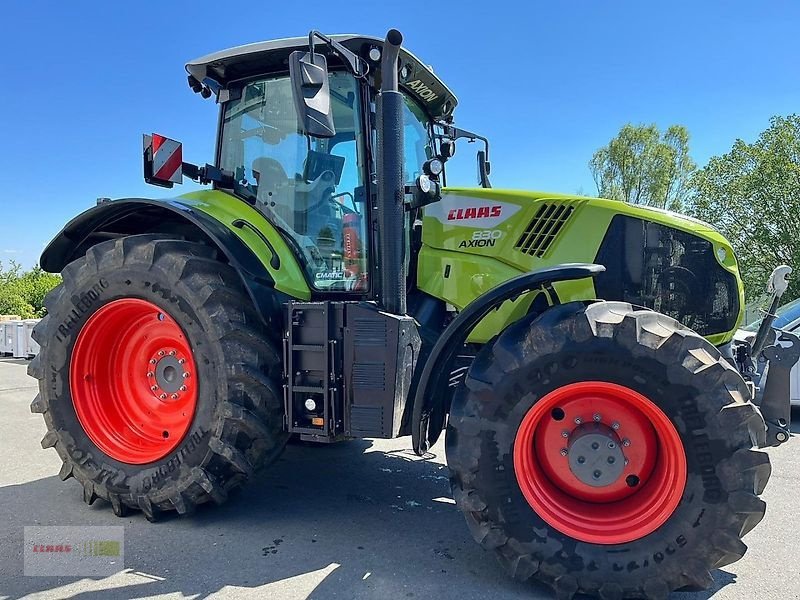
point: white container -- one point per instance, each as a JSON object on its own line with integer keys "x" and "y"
{"x": 31, "y": 347}
{"x": 6, "y": 329}
{"x": 19, "y": 346}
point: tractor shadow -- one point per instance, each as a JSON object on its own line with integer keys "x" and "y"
{"x": 339, "y": 521}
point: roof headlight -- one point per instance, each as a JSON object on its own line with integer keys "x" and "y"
{"x": 433, "y": 167}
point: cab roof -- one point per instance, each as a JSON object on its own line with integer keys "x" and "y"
{"x": 219, "y": 69}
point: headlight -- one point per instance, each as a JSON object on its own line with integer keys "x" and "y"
{"x": 433, "y": 167}
{"x": 424, "y": 184}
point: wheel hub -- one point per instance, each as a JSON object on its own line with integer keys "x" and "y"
{"x": 169, "y": 374}
{"x": 595, "y": 455}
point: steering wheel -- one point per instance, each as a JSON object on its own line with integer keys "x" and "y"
{"x": 318, "y": 191}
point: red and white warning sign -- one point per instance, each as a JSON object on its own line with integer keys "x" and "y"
{"x": 167, "y": 159}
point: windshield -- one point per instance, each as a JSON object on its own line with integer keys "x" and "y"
{"x": 787, "y": 314}
{"x": 310, "y": 188}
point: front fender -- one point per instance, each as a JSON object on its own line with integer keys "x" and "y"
{"x": 432, "y": 390}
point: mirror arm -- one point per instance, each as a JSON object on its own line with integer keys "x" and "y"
{"x": 354, "y": 62}
{"x": 455, "y": 133}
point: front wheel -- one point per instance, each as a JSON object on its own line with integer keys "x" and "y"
{"x": 159, "y": 385}
{"x": 607, "y": 450}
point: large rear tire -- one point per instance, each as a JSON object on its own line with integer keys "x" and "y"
{"x": 159, "y": 386}
{"x": 607, "y": 450}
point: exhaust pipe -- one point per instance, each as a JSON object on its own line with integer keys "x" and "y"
{"x": 391, "y": 186}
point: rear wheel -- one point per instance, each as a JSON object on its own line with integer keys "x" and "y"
{"x": 157, "y": 381}
{"x": 606, "y": 450}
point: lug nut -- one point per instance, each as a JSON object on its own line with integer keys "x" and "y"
{"x": 152, "y": 361}
{"x": 781, "y": 436}
{"x": 565, "y": 434}
{"x": 596, "y": 417}
{"x": 163, "y": 396}
{"x": 174, "y": 396}
{"x": 181, "y": 361}
{"x": 186, "y": 374}
{"x": 615, "y": 425}
{"x": 161, "y": 353}
{"x": 183, "y": 388}
{"x": 626, "y": 442}
{"x": 172, "y": 352}
{"x": 564, "y": 452}
{"x": 578, "y": 420}
{"x": 150, "y": 373}
{"x": 154, "y": 388}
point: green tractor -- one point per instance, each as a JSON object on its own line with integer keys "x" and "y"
{"x": 600, "y": 420}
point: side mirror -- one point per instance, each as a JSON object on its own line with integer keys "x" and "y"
{"x": 163, "y": 160}
{"x": 311, "y": 92}
{"x": 484, "y": 169}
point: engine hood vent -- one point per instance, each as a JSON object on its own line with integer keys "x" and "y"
{"x": 543, "y": 229}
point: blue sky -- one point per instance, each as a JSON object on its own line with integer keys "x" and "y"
{"x": 547, "y": 82}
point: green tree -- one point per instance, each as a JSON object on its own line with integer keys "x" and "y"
{"x": 22, "y": 292}
{"x": 752, "y": 195}
{"x": 642, "y": 165}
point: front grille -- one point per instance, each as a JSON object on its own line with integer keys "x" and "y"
{"x": 667, "y": 270}
{"x": 543, "y": 229}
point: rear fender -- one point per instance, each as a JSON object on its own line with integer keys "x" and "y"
{"x": 261, "y": 273}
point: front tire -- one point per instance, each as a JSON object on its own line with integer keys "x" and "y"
{"x": 668, "y": 484}
{"x": 158, "y": 384}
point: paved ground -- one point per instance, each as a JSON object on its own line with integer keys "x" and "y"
{"x": 357, "y": 520}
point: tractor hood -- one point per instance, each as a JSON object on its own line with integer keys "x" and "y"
{"x": 467, "y": 207}
{"x": 488, "y": 236}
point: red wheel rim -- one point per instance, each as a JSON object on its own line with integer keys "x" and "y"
{"x": 132, "y": 380}
{"x": 600, "y": 500}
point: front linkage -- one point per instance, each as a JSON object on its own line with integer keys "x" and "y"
{"x": 766, "y": 364}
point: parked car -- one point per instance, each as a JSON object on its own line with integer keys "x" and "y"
{"x": 788, "y": 320}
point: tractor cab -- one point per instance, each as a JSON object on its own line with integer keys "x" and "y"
{"x": 315, "y": 184}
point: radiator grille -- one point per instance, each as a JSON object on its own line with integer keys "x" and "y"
{"x": 543, "y": 229}
{"x": 671, "y": 271}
